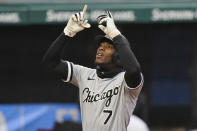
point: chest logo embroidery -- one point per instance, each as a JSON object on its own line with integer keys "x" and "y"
{"x": 91, "y": 96}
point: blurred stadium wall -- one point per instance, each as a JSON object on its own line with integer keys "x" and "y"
{"x": 162, "y": 35}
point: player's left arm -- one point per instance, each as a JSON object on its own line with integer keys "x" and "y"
{"x": 127, "y": 59}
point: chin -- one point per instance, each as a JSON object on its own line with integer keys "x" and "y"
{"x": 98, "y": 63}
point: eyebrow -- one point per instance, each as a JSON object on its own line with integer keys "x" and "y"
{"x": 108, "y": 44}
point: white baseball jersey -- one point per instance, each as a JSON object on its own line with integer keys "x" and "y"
{"x": 106, "y": 104}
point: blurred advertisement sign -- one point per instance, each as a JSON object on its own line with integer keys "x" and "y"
{"x": 35, "y": 13}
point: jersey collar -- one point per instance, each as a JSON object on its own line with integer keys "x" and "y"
{"x": 103, "y": 73}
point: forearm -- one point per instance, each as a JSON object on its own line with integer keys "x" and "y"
{"x": 127, "y": 57}
{"x": 127, "y": 60}
{"x": 52, "y": 56}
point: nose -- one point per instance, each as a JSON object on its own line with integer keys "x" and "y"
{"x": 101, "y": 48}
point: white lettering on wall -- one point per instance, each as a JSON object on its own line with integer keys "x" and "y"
{"x": 9, "y": 17}
{"x": 166, "y": 15}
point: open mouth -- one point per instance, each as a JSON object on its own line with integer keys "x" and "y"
{"x": 99, "y": 54}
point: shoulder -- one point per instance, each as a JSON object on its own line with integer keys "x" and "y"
{"x": 120, "y": 75}
{"x": 81, "y": 67}
{"x": 83, "y": 70}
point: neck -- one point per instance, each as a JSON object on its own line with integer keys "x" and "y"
{"x": 107, "y": 71}
{"x": 104, "y": 67}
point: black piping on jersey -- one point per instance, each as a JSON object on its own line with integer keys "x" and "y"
{"x": 71, "y": 75}
{"x": 68, "y": 71}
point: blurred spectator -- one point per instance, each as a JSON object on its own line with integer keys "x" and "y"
{"x": 137, "y": 124}
{"x": 67, "y": 126}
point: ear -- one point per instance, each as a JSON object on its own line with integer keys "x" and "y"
{"x": 115, "y": 59}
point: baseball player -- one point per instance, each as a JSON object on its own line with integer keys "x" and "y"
{"x": 108, "y": 93}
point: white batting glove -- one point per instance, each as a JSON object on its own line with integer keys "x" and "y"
{"x": 106, "y": 24}
{"x": 76, "y": 24}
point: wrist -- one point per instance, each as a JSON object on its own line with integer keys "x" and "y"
{"x": 114, "y": 33}
{"x": 69, "y": 32}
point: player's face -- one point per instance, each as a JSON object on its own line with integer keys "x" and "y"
{"x": 104, "y": 53}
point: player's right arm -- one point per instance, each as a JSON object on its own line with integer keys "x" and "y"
{"x": 52, "y": 57}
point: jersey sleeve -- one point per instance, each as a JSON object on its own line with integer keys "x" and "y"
{"x": 139, "y": 85}
{"x": 136, "y": 90}
{"x": 74, "y": 73}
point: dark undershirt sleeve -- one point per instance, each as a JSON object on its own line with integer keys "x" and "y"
{"x": 52, "y": 57}
{"x": 128, "y": 61}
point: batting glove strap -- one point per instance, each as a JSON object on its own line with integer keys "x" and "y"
{"x": 69, "y": 31}
{"x": 114, "y": 33}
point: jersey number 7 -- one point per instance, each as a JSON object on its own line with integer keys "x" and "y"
{"x": 110, "y": 113}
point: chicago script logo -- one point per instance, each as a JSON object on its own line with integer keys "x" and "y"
{"x": 90, "y": 96}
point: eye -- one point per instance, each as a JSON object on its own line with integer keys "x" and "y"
{"x": 110, "y": 46}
